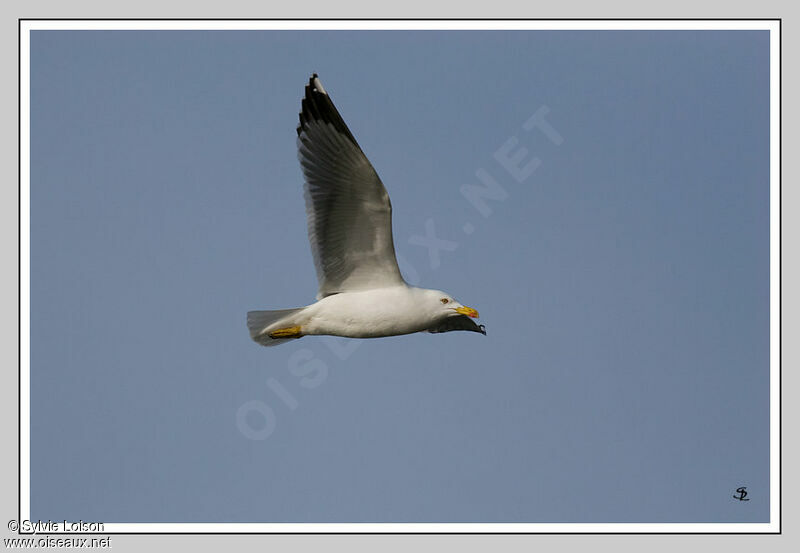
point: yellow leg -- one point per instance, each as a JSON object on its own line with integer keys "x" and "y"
{"x": 291, "y": 332}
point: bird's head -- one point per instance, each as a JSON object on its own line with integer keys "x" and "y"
{"x": 443, "y": 305}
{"x": 447, "y": 314}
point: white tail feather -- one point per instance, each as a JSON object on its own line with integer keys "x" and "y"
{"x": 260, "y": 323}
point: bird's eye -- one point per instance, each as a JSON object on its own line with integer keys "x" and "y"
{"x": 445, "y": 300}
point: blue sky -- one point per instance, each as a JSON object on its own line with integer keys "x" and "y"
{"x": 623, "y": 279}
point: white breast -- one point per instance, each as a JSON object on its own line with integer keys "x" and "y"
{"x": 368, "y": 314}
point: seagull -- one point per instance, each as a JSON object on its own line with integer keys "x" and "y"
{"x": 361, "y": 291}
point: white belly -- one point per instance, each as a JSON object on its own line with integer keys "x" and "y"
{"x": 367, "y": 314}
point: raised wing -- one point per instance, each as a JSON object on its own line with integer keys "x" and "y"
{"x": 347, "y": 207}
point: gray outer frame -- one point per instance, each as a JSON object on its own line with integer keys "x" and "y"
{"x": 15, "y": 9}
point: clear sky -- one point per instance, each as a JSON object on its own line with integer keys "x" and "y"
{"x": 622, "y": 279}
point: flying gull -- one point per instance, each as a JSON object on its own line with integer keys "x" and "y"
{"x": 361, "y": 291}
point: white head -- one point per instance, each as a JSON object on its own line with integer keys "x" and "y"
{"x": 441, "y": 305}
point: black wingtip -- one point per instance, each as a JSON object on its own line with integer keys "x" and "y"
{"x": 317, "y": 106}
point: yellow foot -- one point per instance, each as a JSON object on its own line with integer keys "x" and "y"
{"x": 291, "y": 332}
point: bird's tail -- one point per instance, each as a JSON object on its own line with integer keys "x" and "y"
{"x": 261, "y": 323}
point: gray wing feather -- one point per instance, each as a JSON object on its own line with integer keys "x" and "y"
{"x": 347, "y": 207}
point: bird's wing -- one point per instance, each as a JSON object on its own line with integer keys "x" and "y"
{"x": 347, "y": 207}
